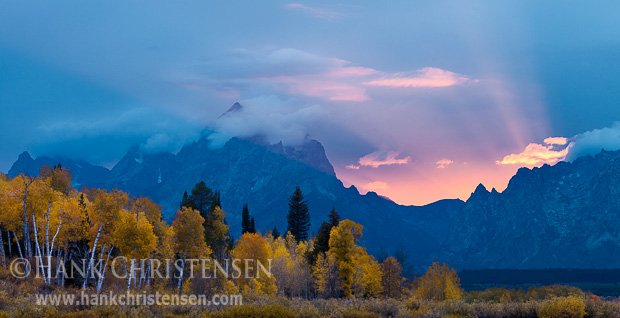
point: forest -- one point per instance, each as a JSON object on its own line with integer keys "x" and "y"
{"x": 124, "y": 246}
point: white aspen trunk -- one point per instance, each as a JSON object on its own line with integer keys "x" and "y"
{"x": 58, "y": 260}
{"x": 18, "y": 247}
{"x": 130, "y": 274}
{"x": 2, "y": 250}
{"x": 8, "y": 236}
{"x": 100, "y": 263}
{"x": 26, "y": 231}
{"x": 148, "y": 273}
{"x": 54, "y": 238}
{"x": 182, "y": 268}
{"x": 36, "y": 239}
{"x": 100, "y": 282}
{"x": 64, "y": 258}
{"x": 47, "y": 231}
{"x": 92, "y": 257}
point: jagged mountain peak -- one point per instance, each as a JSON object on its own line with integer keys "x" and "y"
{"x": 235, "y": 108}
{"x": 25, "y": 156}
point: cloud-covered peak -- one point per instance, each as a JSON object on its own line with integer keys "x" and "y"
{"x": 592, "y": 142}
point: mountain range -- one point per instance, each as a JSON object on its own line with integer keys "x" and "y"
{"x": 264, "y": 176}
{"x": 561, "y": 216}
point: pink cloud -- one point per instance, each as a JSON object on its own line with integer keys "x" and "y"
{"x": 380, "y": 158}
{"x": 538, "y": 154}
{"x": 352, "y": 167}
{"x": 304, "y": 73}
{"x": 443, "y": 163}
{"x": 316, "y": 12}
{"x": 352, "y": 71}
{"x": 377, "y": 185}
{"x": 319, "y": 86}
{"x": 426, "y": 77}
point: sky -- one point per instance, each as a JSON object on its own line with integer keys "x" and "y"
{"x": 415, "y": 100}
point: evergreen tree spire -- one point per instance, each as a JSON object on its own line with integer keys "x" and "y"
{"x": 298, "y": 216}
{"x": 252, "y": 226}
{"x": 334, "y": 217}
{"x": 216, "y": 201}
{"x": 275, "y": 233}
{"x": 245, "y": 220}
{"x": 321, "y": 242}
{"x": 185, "y": 200}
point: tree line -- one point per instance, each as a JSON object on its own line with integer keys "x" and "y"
{"x": 44, "y": 218}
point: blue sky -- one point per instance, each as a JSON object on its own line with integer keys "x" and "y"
{"x": 420, "y": 100}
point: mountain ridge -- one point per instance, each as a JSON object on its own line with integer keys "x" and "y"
{"x": 264, "y": 177}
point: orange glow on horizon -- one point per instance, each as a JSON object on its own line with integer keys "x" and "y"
{"x": 427, "y": 186}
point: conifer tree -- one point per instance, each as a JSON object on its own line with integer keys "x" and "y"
{"x": 252, "y": 226}
{"x": 201, "y": 198}
{"x": 275, "y": 233}
{"x": 334, "y": 217}
{"x": 321, "y": 242}
{"x": 245, "y": 220}
{"x": 215, "y": 202}
{"x": 298, "y": 216}
{"x": 185, "y": 201}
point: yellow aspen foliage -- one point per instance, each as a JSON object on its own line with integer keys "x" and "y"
{"x": 563, "y": 307}
{"x": 440, "y": 282}
{"x": 150, "y": 209}
{"x": 252, "y": 248}
{"x": 67, "y": 211}
{"x": 165, "y": 240}
{"x": 134, "y": 236}
{"x": 391, "y": 278}
{"x": 280, "y": 264}
{"x": 11, "y": 207}
{"x": 325, "y": 274}
{"x": 58, "y": 178}
{"x": 105, "y": 211}
{"x": 189, "y": 239}
{"x": 230, "y": 288}
{"x": 342, "y": 245}
{"x": 367, "y": 274}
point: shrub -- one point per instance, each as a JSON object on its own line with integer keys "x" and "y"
{"x": 563, "y": 307}
{"x": 439, "y": 283}
{"x": 600, "y": 309}
{"x": 253, "y": 311}
{"x": 356, "y": 313}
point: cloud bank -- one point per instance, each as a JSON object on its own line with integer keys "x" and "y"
{"x": 307, "y": 74}
{"x": 592, "y": 142}
{"x": 99, "y": 141}
{"x": 585, "y": 144}
{"x": 426, "y": 77}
